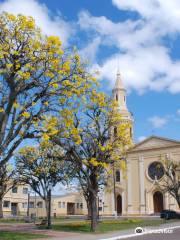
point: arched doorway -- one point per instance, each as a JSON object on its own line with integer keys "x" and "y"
{"x": 119, "y": 204}
{"x": 158, "y": 202}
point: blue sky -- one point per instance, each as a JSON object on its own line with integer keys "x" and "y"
{"x": 142, "y": 35}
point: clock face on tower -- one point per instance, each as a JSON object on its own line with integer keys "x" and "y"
{"x": 156, "y": 170}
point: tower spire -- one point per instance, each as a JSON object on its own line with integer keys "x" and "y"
{"x": 118, "y": 83}
{"x": 119, "y": 95}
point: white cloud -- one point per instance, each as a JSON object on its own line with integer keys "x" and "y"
{"x": 144, "y": 61}
{"x": 140, "y": 70}
{"x": 89, "y": 52}
{"x": 114, "y": 33}
{"x": 141, "y": 138}
{"x": 157, "y": 12}
{"x": 158, "y": 122}
{"x": 50, "y": 25}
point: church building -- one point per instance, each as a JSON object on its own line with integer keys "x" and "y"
{"x": 139, "y": 192}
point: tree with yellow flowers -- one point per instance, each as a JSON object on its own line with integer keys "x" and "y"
{"x": 89, "y": 146}
{"x": 37, "y": 77}
{"x": 42, "y": 167}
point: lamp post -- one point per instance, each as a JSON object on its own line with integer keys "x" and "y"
{"x": 35, "y": 205}
{"x": 99, "y": 196}
{"x": 28, "y": 205}
{"x": 98, "y": 207}
{"x": 114, "y": 189}
{"x": 49, "y": 226}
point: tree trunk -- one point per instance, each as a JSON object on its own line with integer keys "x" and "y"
{"x": 88, "y": 208}
{"x": 94, "y": 214}
{"x": 89, "y": 211}
{"x": 1, "y": 208}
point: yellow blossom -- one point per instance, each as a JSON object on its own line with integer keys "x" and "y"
{"x": 46, "y": 103}
{"x": 26, "y": 114}
{"x": 45, "y": 137}
{"x": 33, "y": 103}
{"x": 16, "y": 105}
{"x": 55, "y": 85}
{"x": 1, "y": 109}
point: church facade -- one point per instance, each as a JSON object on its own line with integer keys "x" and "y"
{"x": 139, "y": 193}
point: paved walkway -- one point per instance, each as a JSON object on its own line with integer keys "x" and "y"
{"x": 56, "y": 235}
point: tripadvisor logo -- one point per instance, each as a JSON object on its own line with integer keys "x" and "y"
{"x": 139, "y": 230}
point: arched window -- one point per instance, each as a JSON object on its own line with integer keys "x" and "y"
{"x": 117, "y": 176}
{"x": 124, "y": 99}
{"x": 115, "y": 131}
{"x": 116, "y": 97}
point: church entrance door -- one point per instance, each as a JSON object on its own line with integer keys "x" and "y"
{"x": 158, "y": 202}
{"x": 119, "y": 205}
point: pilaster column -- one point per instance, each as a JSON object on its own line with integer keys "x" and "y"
{"x": 141, "y": 185}
{"x": 148, "y": 206}
{"x": 129, "y": 188}
{"x": 123, "y": 203}
{"x": 166, "y": 201}
{"x": 113, "y": 203}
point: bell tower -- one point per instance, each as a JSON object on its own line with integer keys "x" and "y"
{"x": 119, "y": 95}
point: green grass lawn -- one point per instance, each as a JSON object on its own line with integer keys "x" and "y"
{"x": 9, "y": 220}
{"x": 5, "y": 235}
{"x": 106, "y": 225}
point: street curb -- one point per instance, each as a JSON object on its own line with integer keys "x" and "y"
{"x": 139, "y": 234}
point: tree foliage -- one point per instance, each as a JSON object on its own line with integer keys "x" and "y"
{"x": 89, "y": 145}
{"x": 41, "y": 167}
{"x": 36, "y": 78}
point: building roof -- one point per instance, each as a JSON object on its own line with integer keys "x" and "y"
{"x": 154, "y": 142}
